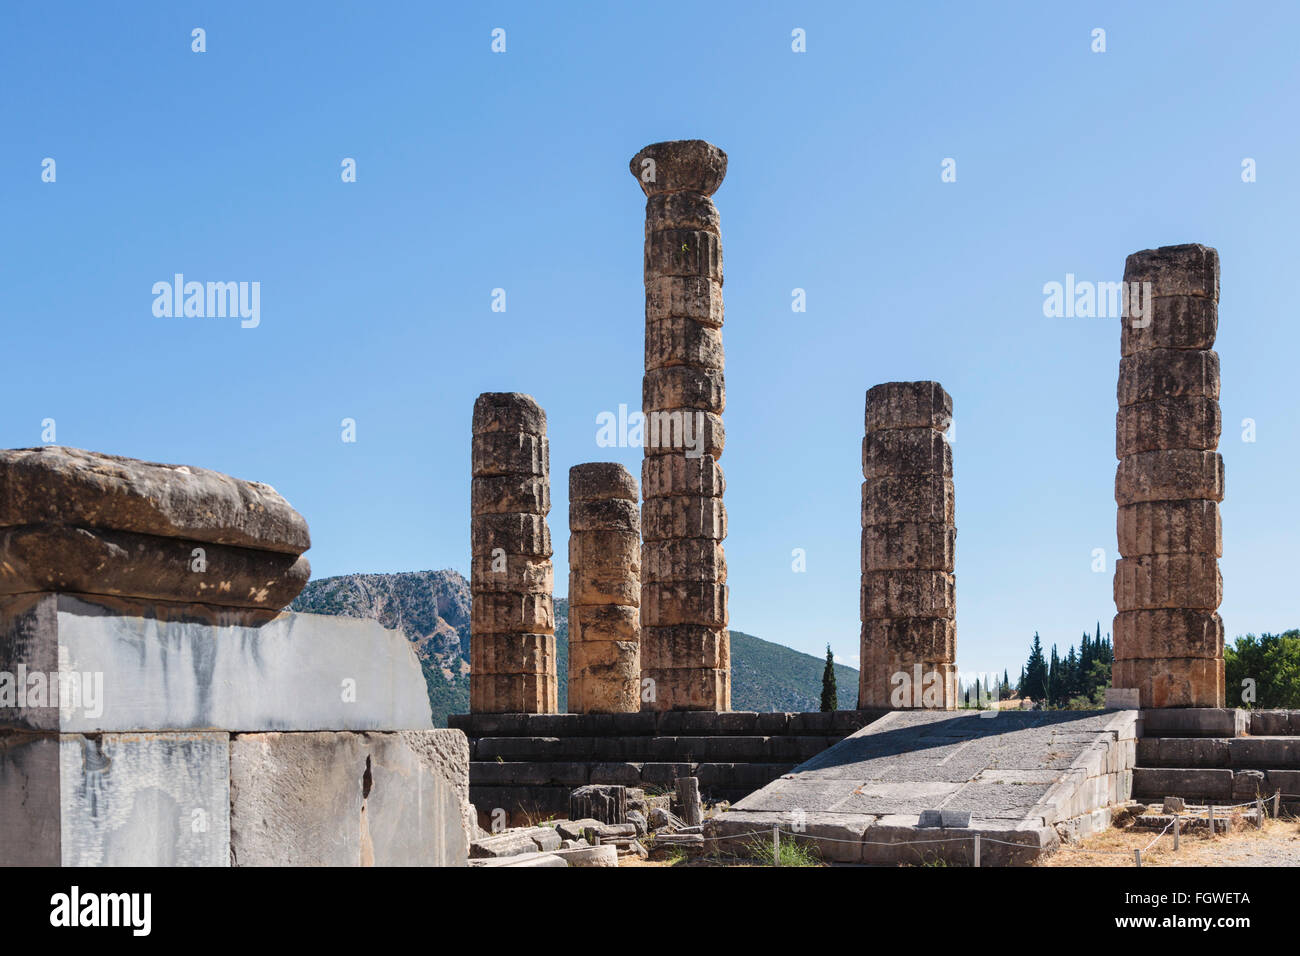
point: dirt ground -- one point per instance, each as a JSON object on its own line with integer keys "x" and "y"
{"x": 1277, "y": 843}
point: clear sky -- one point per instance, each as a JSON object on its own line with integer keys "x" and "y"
{"x": 479, "y": 171}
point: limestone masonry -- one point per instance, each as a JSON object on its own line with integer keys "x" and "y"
{"x": 1168, "y": 634}
{"x": 685, "y": 646}
{"x": 604, "y": 590}
{"x": 908, "y": 546}
{"x": 512, "y": 618}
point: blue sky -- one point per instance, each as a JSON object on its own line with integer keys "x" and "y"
{"x": 479, "y": 170}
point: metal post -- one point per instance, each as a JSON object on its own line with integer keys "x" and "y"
{"x": 1277, "y": 802}
{"x": 776, "y": 846}
{"x": 1137, "y": 855}
{"x": 1177, "y": 822}
{"x": 977, "y": 849}
{"x": 1259, "y": 812}
{"x": 1211, "y": 820}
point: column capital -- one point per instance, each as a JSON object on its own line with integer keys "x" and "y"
{"x": 682, "y": 165}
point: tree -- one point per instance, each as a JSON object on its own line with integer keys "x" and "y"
{"x": 1034, "y": 683}
{"x": 830, "y": 697}
{"x": 1272, "y": 661}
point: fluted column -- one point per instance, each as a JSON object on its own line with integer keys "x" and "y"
{"x": 512, "y": 616}
{"x": 909, "y": 634}
{"x": 1168, "y": 636}
{"x": 604, "y": 590}
{"x": 685, "y": 646}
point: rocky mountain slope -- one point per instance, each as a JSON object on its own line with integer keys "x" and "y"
{"x": 432, "y": 609}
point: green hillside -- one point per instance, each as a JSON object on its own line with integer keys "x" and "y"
{"x": 432, "y": 609}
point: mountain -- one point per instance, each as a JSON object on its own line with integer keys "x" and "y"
{"x": 432, "y": 609}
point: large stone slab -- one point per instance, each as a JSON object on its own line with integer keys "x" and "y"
{"x": 135, "y": 799}
{"x": 53, "y": 484}
{"x": 1018, "y": 774}
{"x": 345, "y": 799}
{"x": 196, "y": 668}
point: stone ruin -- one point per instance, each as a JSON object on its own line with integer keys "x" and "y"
{"x": 604, "y": 590}
{"x": 512, "y": 617}
{"x": 1168, "y": 635}
{"x": 158, "y": 708}
{"x": 908, "y": 548}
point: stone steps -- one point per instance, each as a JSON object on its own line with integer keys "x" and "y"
{"x": 696, "y": 723}
{"x": 717, "y": 749}
{"x": 1233, "y": 753}
{"x": 1220, "y": 785}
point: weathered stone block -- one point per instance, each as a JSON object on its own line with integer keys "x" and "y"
{"x": 54, "y": 557}
{"x": 909, "y": 545}
{"x": 1172, "y": 682}
{"x": 918, "y": 638}
{"x": 513, "y": 693}
{"x": 694, "y": 688}
{"x": 683, "y": 252}
{"x": 682, "y": 560}
{"x": 687, "y": 165}
{"x": 1171, "y": 322}
{"x": 510, "y": 453}
{"x": 515, "y": 533}
{"x": 681, "y": 210}
{"x": 503, "y": 494}
{"x": 911, "y": 498}
{"x": 686, "y": 432}
{"x": 512, "y": 573}
{"x": 1171, "y": 475}
{"x": 606, "y": 551}
{"x": 58, "y": 485}
{"x": 335, "y": 799}
{"x": 1191, "y": 269}
{"x": 907, "y": 594}
{"x": 665, "y": 519}
{"x": 508, "y": 412}
{"x": 1168, "y": 423}
{"x": 530, "y": 612}
{"x": 890, "y": 680}
{"x": 1161, "y": 374}
{"x": 677, "y": 341}
{"x": 601, "y": 481}
{"x": 603, "y": 585}
{"x": 684, "y": 386}
{"x": 698, "y": 298}
{"x": 191, "y": 667}
{"x": 604, "y": 622}
{"x": 512, "y": 653}
{"x": 1168, "y": 581}
{"x": 685, "y": 646}
{"x": 906, "y": 451}
{"x": 606, "y": 514}
{"x": 1170, "y": 527}
{"x": 684, "y": 603}
{"x": 1168, "y": 632}
{"x": 664, "y": 476}
{"x": 908, "y": 405}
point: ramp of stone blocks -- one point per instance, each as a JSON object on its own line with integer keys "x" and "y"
{"x": 1019, "y": 774}
{"x": 1218, "y": 755}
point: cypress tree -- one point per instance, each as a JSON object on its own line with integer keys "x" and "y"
{"x": 830, "y": 697}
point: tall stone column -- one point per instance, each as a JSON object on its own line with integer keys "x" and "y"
{"x": 908, "y": 548}
{"x": 685, "y": 647}
{"x": 604, "y": 590}
{"x": 512, "y": 616}
{"x": 1168, "y": 636}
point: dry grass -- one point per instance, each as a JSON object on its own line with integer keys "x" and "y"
{"x": 1277, "y": 843}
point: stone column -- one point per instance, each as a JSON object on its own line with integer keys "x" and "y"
{"x": 908, "y": 546}
{"x": 685, "y": 647}
{"x": 1168, "y": 636}
{"x": 512, "y": 617}
{"x": 604, "y": 590}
